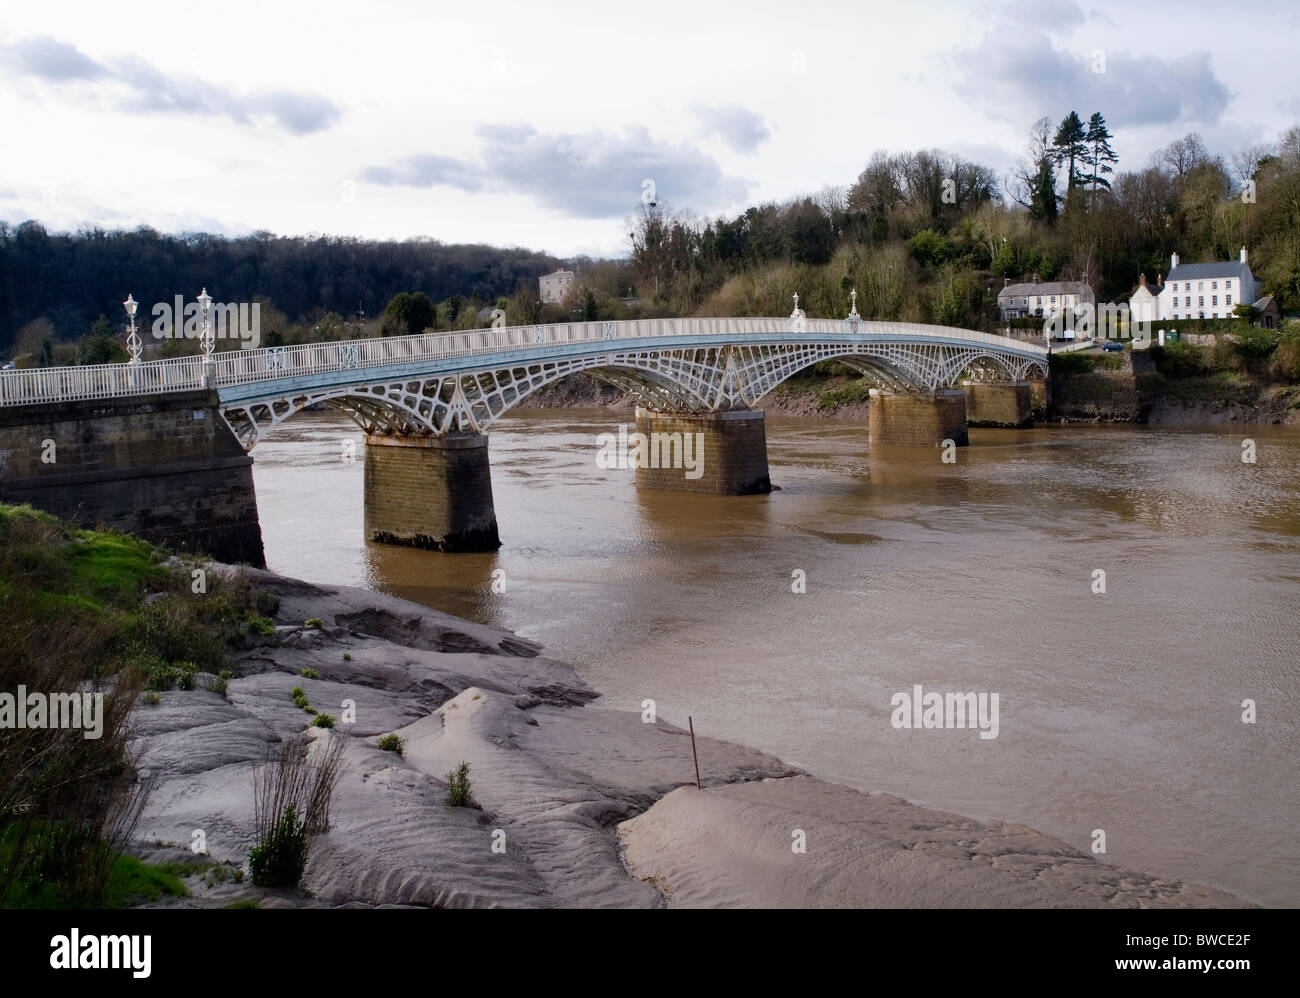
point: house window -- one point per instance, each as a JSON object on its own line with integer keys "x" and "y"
{"x": 1038, "y": 300}
{"x": 1053, "y": 299}
{"x": 1214, "y": 285}
{"x": 1200, "y": 285}
{"x": 1228, "y": 300}
{"x": 1215, "y": 301}
{"x": 1200, "y": 300}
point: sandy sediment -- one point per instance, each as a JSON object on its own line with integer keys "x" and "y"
{"x": 563, "y": 785}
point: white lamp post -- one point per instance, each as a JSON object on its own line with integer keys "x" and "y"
{"x": 205, "y": 334}
{"x": 133, "y": 344}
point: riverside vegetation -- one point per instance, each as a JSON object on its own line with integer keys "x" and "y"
{"x": 106, "y": 612}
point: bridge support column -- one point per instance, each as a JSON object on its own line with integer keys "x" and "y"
{"x": 920, "y": 420}
{"x": 430, "y": 492}
{"x": 999, "y": 405}
{"x": 727, "y": 452}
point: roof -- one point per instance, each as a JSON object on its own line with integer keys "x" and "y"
{"x": 559, "y": 273}
{"x": 1266, "y": 302}
{"x": 1047, "y": 288}
{"x": 1153, "y": 289}
{"x": 1200, "y": 271}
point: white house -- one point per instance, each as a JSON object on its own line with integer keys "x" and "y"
{"x": 1043, "y": 299}
{"x": 1207, "y": 290}
{"x": 554, "y": 287}
{"x": 1144, "y": 303}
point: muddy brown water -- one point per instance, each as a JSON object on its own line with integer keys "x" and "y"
{"x": 1118, "y": 711}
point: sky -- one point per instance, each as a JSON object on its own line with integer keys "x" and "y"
{"x": 543, "y": 125}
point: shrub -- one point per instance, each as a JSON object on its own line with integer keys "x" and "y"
{"x": 347, "y": 657}
{"x": 459, "y": 792}
{"x": 391, "y": 743}
{"x": 291, "y": 803}
{"x": 281, "y": 853}
{"x": 267, "y": 604}
{"x": 1179, "y": 360}
{"x": 261, "y": 625}
{"x": 152, "y": 699}
{"x": 313, "y": 622}
{"x": 219, "y": 685}
{"x": 324, "y": 721}
{"x": 310, "y": 674}
{"x": 186, "y": 675}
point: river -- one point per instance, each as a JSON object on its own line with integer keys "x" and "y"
{"x": 1119, "y": 711}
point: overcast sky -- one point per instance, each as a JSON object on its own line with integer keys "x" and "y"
{"x": 535, "y": 124}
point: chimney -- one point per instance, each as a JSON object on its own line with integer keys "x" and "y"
{"x": 1006, "y": 281}
{"x": 1243, "y": 254}
{"x": 1143, "y": 280}
{"x": 1173, "y": 261}
{"x": 1160, "y": 279}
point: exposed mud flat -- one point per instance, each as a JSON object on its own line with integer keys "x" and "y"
{"x": 563, "y": 787}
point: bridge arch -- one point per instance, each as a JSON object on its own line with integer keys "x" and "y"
{"x": 682, "y": 380}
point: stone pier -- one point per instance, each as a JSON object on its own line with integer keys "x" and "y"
{"x": 999, "y": 405}
{"x": 165, "y": 467}
{"x": 430, "y": 492}
{"x": 728, "y": 457}
{"x": 918, "y": 420}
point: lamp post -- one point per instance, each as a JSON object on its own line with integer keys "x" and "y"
{"x": 205, "y": 336}
{"x": 133, "y": 344}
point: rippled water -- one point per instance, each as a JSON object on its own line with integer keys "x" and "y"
{"x": 1119, "y": 711}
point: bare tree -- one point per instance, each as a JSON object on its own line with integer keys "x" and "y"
{"x": 1182, "y": 156}
{"x": 1246, "y": 161}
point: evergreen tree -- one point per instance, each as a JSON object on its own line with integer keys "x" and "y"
{"x": 1070, "y": 146}
{"x": 1100, "y": 154}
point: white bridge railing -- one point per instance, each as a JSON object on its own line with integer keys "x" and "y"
{"x": 60, "y": 384}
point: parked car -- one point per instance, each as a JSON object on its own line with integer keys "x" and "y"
{"x": 1112, "y": 345}
{"x": 9, "y": 366}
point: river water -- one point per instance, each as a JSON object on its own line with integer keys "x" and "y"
{"x": 1120, "y": 711}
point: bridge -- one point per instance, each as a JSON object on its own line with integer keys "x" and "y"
{"x": 427, "y": 402}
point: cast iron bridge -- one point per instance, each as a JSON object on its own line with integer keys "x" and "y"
{"x": 464, "y": 381}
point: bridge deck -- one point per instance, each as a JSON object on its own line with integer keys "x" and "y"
{"x": 324, "y": 364}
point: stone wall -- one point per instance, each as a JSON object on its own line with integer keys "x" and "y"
{"x": 999, "y": 405}
{"x": 734, "y": 455}
{"x": 430, "y": 492}
{"x": 165, "y": 467}
{"x": 918, "y": 420}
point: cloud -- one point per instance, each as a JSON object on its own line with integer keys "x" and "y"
{"x": 148, "y": 90}
{"x": 740, "y": 128}
{"x": 48, "y": 59}
{"x": 588, "y": 175}
{"x": 427, "y": 170}
{"x": 1033, "y": 77}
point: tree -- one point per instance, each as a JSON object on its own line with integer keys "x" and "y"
{"x": 1032, "y": 183}
{"x": 1070, "y": 147}
{"x": 408, "y": 314}
{"x": 1100, "y": 155}
{"x": 1182, "y": 156}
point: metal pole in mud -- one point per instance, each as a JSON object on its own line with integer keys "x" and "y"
{"x": 691, "y": 722}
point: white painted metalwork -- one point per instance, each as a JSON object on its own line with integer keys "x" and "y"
{"x": 441, "y": 381}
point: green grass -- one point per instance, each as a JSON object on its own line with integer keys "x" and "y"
{"x": 245, "y": 903}
{"x": 132, "y": 882}
{"x": 309, "y": 673}
{"x": 391, "y": 743}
